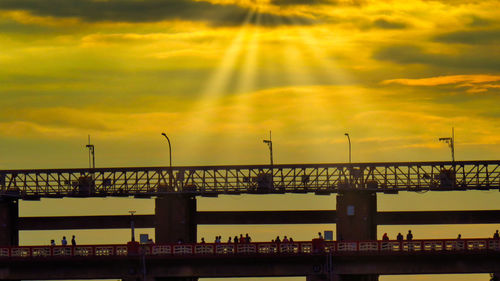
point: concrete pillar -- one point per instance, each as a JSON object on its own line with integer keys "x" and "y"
{"x": 356, "y": 215}
{"x": 175, "y": 218}
{"x": 9, "y": 214}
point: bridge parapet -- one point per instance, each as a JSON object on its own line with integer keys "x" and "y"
{"x": 336, "y": 248}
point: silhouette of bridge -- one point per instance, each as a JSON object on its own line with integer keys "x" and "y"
{"x": 215, "y": 180}
{"x": 251, "y": 259}
{"x": 175, "y": 191}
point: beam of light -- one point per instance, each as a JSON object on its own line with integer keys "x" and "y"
{"x": 329, "y": 68}
{"x": 248, "y": 77}
{"x": 204, "y": 116}
{"x": 240, "y": 106}
{"x": 308, "y": 70}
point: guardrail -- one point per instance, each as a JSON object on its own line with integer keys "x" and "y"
{"x": 214, "y": 180}
{"x": 220, "y": 249}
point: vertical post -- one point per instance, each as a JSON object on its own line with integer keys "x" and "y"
{"x": 453, "y": 144}
{"x": 91, "y": 154}
{"x": 356, "y": 220}
{"x": 269, "y": 143}
{"x": 9, "y": 215}
{"x": 170, "y": 157}
{"x": 349, "y": 139}
{"x": 132, "y": 226}
{"x": 175, "y": 218}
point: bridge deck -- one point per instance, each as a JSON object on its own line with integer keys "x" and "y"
{"x": 256, "y": 179}
{"x": 254, "y": 259}
{"x": 337, "y": 248}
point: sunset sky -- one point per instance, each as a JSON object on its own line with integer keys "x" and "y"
{"x": 218, "y": 75}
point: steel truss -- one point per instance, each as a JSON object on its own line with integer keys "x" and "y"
{"x": 258, "y": 179}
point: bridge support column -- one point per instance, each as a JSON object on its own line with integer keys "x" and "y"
{"x": 175, "y": 218}
{"x": 356, "y": 214}
{"x": 9, "y": 214}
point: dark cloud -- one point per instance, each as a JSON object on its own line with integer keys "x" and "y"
{"x": 315, "y": 2}
{"x": 14, "y": 27}
{"x": 483, "y": 59}
{"x": 470, "y": 37}
{"x": 301, "y": 2}
{"x": 150, "y": 11}
{"x": 477, "y": 21}
{"x": 388, "y": 24}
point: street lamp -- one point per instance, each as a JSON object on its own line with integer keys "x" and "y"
{"x": 451, "y": 143}
{"x": 170, "y": 156}
{"x": 269, "y": 143}
{"x": 349, "y": 139}
{"x": 132, "y": 225}
{"x": 91, "y": 154}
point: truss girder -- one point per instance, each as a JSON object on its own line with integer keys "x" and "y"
{"x": 214, "y": 180}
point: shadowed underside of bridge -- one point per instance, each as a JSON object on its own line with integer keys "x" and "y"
{"x": 260, "y": 217}
{"x": 249, "y": 266}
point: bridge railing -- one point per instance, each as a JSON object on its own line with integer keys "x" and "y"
{"x": 213, "y": 180}
{"x": 310, "y": 247}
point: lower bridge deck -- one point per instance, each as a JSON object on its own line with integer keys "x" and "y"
{"x": 250, "y": 260}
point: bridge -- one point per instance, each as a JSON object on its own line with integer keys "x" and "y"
{"x": 316, "y": 258}
{"x": 321, "y": 179}
{"x": 175, "y": 191}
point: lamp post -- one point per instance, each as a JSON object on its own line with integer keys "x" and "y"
{"x": 269, "y": 143}
{"x": 349, "y": 139}
{"x": 132, "y": 225}
{"x": 170, "y": 156}
{"x": 91, "y": 154}
{"x": 451, "y": 143}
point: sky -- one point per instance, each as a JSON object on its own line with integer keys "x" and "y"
{"x": 216, "y": 76}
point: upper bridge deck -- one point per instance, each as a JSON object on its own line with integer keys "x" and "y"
{"x": 253, "y": 179}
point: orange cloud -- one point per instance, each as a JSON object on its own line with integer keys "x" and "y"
{"x": 474, "y": 82}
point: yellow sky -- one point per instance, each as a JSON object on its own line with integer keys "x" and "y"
{"x": 217, "y": 75}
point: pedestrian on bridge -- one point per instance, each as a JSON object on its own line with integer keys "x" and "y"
{"x": 496, "y": 235}
{"x": 400, "y": 237}
{"x": 385, "y": 237}
{"x": 64, "y": 242}
{"x": 73, "y": 241}
{"x": 248, "y": 239}
{"x": 409, "y": 236}
{"x": 52, "y": 242}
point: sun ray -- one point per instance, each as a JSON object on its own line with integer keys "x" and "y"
{"x": 204, "y": 113}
